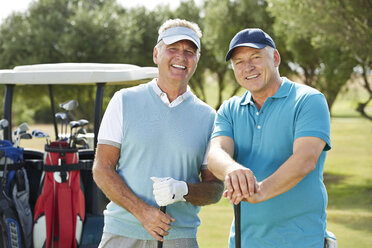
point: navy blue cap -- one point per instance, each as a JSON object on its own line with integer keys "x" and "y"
{"x": 250, "y": 37}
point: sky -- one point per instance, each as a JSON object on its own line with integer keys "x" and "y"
{"x": 8, "y": 6}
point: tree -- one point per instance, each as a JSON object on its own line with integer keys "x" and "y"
{"x": 54, "y": 31}
{"x": 338, "y": 32}
{"x": 223, "y": 19}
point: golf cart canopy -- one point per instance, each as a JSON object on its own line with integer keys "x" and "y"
{"x": 71, "y": 74}
{"x": 76, "y": 73}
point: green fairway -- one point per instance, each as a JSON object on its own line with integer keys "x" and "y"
{"x": 348, "y": 178}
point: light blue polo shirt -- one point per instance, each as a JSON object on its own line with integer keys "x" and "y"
{"x": 263, "y": 142}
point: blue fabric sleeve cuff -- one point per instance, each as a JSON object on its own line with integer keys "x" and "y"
{"x": 319, "y": 135}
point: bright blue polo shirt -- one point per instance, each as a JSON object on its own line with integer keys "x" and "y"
{"x": 263, "y": 142}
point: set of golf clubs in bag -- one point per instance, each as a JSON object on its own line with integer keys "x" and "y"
{"x": 60, "y": 191}
{"x": 79, "y": 126}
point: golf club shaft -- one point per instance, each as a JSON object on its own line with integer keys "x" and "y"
{"x": 237, "y": 226}
{"x": 163, "y": 209}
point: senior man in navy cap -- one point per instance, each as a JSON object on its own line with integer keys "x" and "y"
{"x": 270, "y": 145}
{"x": 151, "y": 151}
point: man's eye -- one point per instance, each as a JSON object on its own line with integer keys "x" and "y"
{"x": 190, "y": 52}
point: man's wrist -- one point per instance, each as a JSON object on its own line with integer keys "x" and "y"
{"x": 181, "y": 189}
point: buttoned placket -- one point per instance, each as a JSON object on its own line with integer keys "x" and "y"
{"x": 257, "y": 116}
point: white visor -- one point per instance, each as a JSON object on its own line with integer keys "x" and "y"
{"x": 175, "y": 34}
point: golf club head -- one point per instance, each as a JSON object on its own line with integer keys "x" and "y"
{"x": 80, "y": 141}
{"x": 20, "y": 130}
{"x": 25, "y": 136}
{"x": 74, "y": 124}
{"x": 21, "y": 136}
{"x": 83, "y": 122}
{"x": 69, "y": 105}
{"x": 39, "y": 134}
{"x": 23, "y": 127}
{"x": 61, "y": 115}
{"x": 3, "y": 123}
{"x": 81, "y": 131}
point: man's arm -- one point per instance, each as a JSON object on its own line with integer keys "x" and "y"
{"x": 238, "y": 179}
{"x": 208, "y": 191}
{"x": 109, "y": 181}
{"x": 306, "y": 151}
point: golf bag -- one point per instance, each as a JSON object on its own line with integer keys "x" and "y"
{"x": 15, "y": 211}
{"x": 60, "y": 208}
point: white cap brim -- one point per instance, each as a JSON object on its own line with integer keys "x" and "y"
{"x": 175, "y": 34}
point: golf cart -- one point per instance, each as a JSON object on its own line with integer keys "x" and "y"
{"x": 92, "y": 74}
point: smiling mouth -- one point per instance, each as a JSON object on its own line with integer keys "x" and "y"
{"x": 252, "y": 77}
{"x": 179, "y": 67}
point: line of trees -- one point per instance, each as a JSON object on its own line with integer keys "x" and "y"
{"x": 324, "y": 43}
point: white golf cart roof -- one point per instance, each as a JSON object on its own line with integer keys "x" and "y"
{"x": 76, "y": 73}
{"x": 95, "y": 74}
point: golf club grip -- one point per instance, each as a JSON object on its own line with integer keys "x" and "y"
{"x": 163, "y": 209}
{"x": 238, "y": 239}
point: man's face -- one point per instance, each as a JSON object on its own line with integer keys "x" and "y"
{"x": 177, "y": 61}
{"x": 255, "y": 69}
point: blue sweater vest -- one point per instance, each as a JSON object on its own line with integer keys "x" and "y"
{"x": 160, "y": 141}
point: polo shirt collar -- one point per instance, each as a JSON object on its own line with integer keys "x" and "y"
{"x": 247, "y": 99}
{"x": 283, "y": 91}
{"x": 164, "y": 98}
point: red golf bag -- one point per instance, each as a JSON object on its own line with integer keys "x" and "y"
{"x": 60, "y": 208}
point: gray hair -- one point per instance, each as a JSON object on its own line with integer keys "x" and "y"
{"x": 171, "y": 23}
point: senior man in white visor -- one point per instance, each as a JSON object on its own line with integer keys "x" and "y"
{"x": 151, "y": 151}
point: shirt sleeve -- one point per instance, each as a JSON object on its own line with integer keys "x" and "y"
{"x": 223, "y": 123}
{"x": 314, "y": 120}
{"x": 111, "y": 128}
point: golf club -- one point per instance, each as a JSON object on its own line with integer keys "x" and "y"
{"x": 163, "y": 209}
{"x": 3, "y": 124}
{"x": 237, "y": 226}
{"x": 61, "y": 116}
{"x": 25, "y": 136}
{"x": 21, "y": 129}
{"x": 40, "y": 134}
{"x": 81, "y": 141}
{"x": 68, "y": 106}
{"x": 73, "y": 124}
{"x": 22, "y": 136}
{"x": 81, "y": 130}
{"x": 83, "y": 122}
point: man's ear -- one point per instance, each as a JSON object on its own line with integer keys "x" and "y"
{"x": 198, "y": 57}
{"x": 276, "y": 58}
{"x": 155, "y": 55}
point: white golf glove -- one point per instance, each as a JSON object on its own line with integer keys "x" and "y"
{"x": 168, "y": 190}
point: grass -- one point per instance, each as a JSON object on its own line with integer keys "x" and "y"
{"x": 348, "y": 177}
